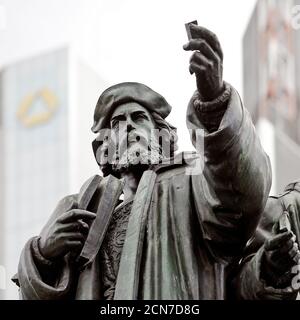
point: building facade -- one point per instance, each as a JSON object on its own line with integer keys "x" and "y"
{"x": 46, "y": 114}
{"x": 271, "y": 48}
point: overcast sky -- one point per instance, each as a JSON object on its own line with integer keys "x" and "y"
{"x": 128, "y": 40}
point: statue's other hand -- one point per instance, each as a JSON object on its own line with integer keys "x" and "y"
{"x": 206, "y": 62}
{"x": 280, "y": 255}
{"x": 66, "y": 234}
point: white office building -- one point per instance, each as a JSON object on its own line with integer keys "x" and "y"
{"x": 46, "y": 111}
{"x": 272, "y": 85}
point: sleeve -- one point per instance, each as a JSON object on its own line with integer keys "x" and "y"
{"x": 236, "y": 174}
{"x": 249, "y": 284}
{"x": 39, "y": 278}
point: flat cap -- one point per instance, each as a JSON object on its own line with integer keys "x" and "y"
{"x": 123, "y": 93}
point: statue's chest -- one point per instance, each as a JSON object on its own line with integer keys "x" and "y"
{"x": 111, "y": 250}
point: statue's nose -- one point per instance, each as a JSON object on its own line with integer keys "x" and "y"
{"x": 129, "y": 126}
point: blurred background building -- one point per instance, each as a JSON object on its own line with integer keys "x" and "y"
{"x": 271, "y": 50}
{"x": 48, "y": 90}
{"x": 43, "y": 104}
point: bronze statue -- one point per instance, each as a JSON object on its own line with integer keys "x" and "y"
{"x": 180, "y": 224}
{"x": 270, "y": 268}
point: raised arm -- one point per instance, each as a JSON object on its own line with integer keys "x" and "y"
{"x": 236, "y": 168}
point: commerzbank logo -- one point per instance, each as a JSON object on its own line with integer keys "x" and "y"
{"x": 37, "y": 108}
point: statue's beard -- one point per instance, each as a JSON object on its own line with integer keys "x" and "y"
{"x": 138, "y": 155}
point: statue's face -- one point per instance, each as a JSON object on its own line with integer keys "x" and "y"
{"x": 133, "y": 126}
{"x": 130, "y": 120}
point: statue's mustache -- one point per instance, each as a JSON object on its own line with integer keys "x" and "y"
{"x": 132, "y": 137}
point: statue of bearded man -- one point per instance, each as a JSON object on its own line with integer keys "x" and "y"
{"x": 155, "y": 224}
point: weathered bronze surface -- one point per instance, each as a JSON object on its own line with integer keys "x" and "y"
{"x": 270, "y": 267}
{"x": 184, "y": 219}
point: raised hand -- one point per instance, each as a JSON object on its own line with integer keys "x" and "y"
{"x": 206, "y": 62}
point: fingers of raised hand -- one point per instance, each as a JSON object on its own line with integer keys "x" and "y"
{"x": 196, "y": 68}
{"x": 198, "y": 58}
{"x": 203, "y": 47}
{"x": 199, "y": 32}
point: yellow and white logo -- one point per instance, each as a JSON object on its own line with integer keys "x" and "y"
{"x": 49, "y": 101}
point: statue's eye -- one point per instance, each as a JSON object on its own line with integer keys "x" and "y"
{"x": 139, "y": 116}
{"x": 115, "y": 124}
